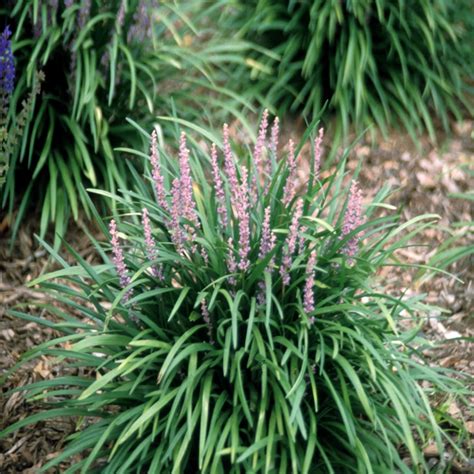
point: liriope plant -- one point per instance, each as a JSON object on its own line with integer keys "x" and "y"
{"x": 105, "y": 63}
{"x": 236, "y": 324}
{"x": 388, "y": 62}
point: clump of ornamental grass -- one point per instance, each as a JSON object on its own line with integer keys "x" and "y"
{"x": 388, "y": 62}
{"x": 236, "y": 324}
{"x": 104, "y": 63}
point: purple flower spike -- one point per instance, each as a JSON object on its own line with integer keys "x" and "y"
{"x": 121, "y": 14}
{"x": 119, "y": 260}
{"x": 275, "y": 133}
{"x": 267, "y": 244}
{"x": 268, "y": 239}
{"x": 308, "y": 296}
{"x": 262, "y": 134}
{"x": 289, "y": 190}
{"x": 177, "y": 236}
{"x": 290, "y": 243}
{"x": 244, "y": 223}
{"x": 150, "y": 245}
{"x": 156, "y": 172}
{"x": 274, "y": 136}
{"x": 7, "y": 70}
{"x": 183, "y": 205}
{"x": 317, "y": 153}
{"x": 218, "y": 187}
{"x": 352, "y": 219}
{"x": 186, "y": 183}
{"x": 302, "y": 239}
{"x": 258, "y": 151}
{"x": 188, "y": 206}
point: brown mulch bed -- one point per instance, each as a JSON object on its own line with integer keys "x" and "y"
{"x": 424, "y": 179}
{"x": 32, "y": 446}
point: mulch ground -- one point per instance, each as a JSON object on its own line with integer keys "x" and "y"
{"x": 425, "y": 179}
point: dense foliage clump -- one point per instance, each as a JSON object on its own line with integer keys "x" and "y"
{"x": 385, "y": 61}
{"x": 235, "y": 324}
{"x": 104, "y": 62}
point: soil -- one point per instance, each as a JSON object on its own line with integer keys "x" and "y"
{"x": 427, "y": 181}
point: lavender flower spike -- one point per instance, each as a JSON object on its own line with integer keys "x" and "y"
{"x": 120, "y": 20}
{"x": 156, "y": 172}
{"x": 244, "y": 223}
{"x": 290, "y": 243}
{"x": 150, "y": 245}
{"x": 268, "y": 239}
{"x": 218, "y": 187}
{"x": 119, "y": 260}
{"x": 267, "y": 244}
{"x": 188, "y": 206}
{"x": 352, "y": 219}
{"x": 177, "y": 235}
{"x": 289, "y": 190}
{"x": 308, "y": 294}
{"x": 258, "y": 150}
{"x": 317, "y": 153}
{"x": 274, "y": 136}
{"x": 186, "y": 183}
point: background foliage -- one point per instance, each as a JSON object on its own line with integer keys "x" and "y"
{"x": 189, "y": 351}
{"x": 104, "y": 62}
{"x": 391, "y": 62}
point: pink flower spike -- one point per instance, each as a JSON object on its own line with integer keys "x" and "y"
{"x": 244, "y": 223}
{"x": 267, "y": 244}
{"x": 119, "y": 260}
{"x": 268, "y": 238}
{"x": 290, "y": 243}
{"x": 177, "y": 235}
{"x": 289, "y": 190}
{"x": 156, "y": 172}
{"x": 308, "y": 297}
{"x": 258, "y": 151}
{"x": 352, "y": 219}
{"x": 302, "y": 239}
{"x": 150, "y": 245}
{"x": 260, "y": 143}
{"x": 218, "y": 187}
{"x": 274, "y": 136}
{"x": 318, "y": 141}
{"x": 186, "y": 184}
